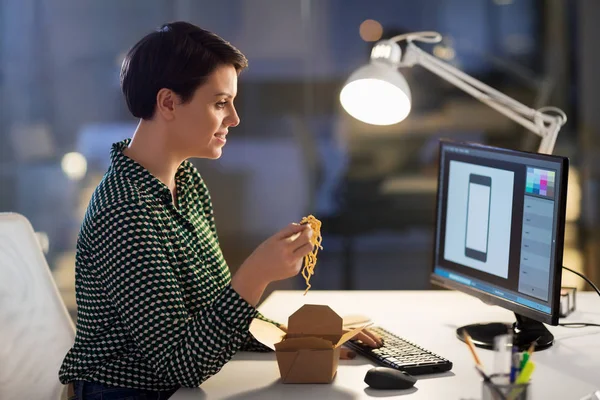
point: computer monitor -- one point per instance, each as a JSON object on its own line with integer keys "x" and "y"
{"x": 499, "y": 235}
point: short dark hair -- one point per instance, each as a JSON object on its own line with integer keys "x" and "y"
{"x": 177, "y": 56}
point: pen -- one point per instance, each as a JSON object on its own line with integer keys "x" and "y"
{"x": 523, "y": 378}
{"x": 471, "y": 346}
{"x": 524, "y": 361}
{"x": 515, "y": 361}
{"x": 527, "y": 355}
{"x": 526, "y": 374}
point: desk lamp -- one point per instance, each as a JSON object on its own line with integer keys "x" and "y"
{"x": 378, "y": 94}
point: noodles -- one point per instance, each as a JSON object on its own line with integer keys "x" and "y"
{"x": 310, "y": 260}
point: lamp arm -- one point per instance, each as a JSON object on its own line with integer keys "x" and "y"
{"x": 545, "y": 122}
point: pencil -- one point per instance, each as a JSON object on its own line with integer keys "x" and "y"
{"x": 469, "y": 343}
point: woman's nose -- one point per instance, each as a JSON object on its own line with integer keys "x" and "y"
{"x": 233, "y": 120}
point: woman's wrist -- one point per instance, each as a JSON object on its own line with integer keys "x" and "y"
{"x": 248, "y": 285}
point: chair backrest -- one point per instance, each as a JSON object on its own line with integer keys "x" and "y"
{"x": 35, "y": 329}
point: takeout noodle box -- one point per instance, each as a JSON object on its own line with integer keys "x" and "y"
{"x": 310, "y": 350}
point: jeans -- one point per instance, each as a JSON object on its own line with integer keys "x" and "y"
{"x": 97, "y": 391}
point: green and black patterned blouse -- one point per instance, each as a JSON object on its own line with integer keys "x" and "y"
{"x": 155, "y": 306}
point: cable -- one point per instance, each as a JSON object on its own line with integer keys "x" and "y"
{"x": 577, "y": 324}
{"x": 580, "y": 324}
{"x": 584, "y": 278}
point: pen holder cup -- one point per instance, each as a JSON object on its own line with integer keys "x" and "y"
{"x": 499, "y": 388}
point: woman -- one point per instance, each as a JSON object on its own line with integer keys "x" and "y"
{"x": 157, "y": 306}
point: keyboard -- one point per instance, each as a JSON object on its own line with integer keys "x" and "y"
{"x": 401, "y": 354}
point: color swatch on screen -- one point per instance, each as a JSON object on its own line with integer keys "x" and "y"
{"x": 540, "y": 182}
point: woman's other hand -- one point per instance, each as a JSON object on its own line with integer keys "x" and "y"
{"x": 368, "y": 337}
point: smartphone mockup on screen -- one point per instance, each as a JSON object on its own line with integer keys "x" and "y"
{"x": 478, "y": 217}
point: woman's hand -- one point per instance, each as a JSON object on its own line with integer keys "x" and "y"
{"x": 277, "y": 258}
{"x": 368, "y": 337}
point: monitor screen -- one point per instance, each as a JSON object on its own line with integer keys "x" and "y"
{"x": 500, "y": 227}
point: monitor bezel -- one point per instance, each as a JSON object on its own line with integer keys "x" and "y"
{"x": 488, "y": 298}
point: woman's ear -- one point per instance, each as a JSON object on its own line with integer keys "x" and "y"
{"x": 165, "y": 103}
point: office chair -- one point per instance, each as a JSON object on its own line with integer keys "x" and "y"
{"x": 35, "y": 329}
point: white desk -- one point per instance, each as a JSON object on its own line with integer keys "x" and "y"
{"x": 568, "y": 370}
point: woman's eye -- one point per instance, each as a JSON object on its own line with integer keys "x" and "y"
{"x": 221, "y": 104}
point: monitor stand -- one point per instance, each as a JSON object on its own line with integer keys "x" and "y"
{"x": 526, "y": 331}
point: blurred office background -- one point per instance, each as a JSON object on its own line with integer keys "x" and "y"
{"x": 296, "y": 151}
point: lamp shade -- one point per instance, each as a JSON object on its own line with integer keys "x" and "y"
{"x": 377, "y": 94}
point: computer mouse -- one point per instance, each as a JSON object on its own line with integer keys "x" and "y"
{"x": 388, "y": 378}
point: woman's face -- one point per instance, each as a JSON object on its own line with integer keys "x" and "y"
{"x": 202, "y": 124}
